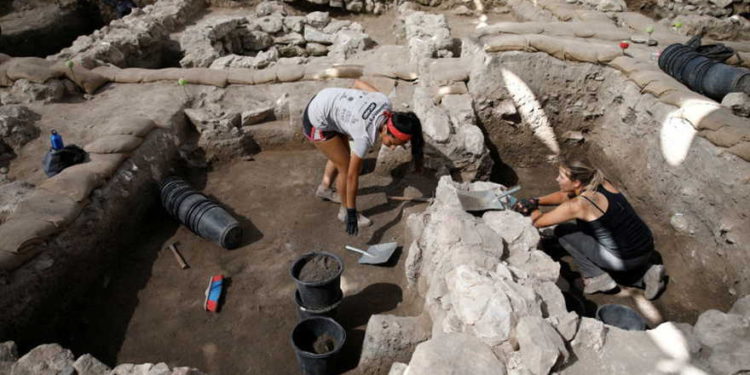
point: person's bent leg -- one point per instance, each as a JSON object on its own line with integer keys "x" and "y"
{"x": 582, "y": 248}
{"x": 329, "y": 175}
{"x": 337, "y": 152}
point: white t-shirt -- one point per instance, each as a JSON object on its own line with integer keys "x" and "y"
{"x": 355, "y": 113}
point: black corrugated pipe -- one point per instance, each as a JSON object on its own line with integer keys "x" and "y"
{"x": 701, "y": 68}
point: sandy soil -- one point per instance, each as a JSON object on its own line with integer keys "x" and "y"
{"x": 152, "y": 310}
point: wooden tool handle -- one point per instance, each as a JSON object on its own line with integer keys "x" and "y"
{"x": 178, "y": 256}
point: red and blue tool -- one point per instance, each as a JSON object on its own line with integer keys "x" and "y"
{"x": 213, "y": 293}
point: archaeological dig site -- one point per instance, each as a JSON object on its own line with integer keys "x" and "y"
{"x": 375, "y": 187}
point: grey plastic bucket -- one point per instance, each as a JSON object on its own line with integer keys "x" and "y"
{"x": 621, "y": 316}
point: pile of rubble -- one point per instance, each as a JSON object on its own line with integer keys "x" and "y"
{"x": 259, "y": 41}
{"x": 52, "y": 359}
{"x": 495, "y": 308}
{"x": 135, "y": 40}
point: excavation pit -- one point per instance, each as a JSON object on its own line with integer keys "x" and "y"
{"x": 499, "y": 97}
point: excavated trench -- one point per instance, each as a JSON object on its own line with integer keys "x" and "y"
{"x": 141, "y": 307}
{"x": 596, "y": 114}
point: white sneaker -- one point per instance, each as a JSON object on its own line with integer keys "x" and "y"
{"x": 654, "y": 280}
{"x": 362, "y": 221}
{"x": 327, "y": 194}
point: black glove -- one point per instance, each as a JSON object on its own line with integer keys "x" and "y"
{"x": 526, "y": 206}
{"x": 351, "y": 221}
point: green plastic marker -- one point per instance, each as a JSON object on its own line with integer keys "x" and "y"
{"x": 183, "y": 82}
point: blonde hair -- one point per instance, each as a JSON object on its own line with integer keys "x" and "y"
{"x": 581, "y": 170}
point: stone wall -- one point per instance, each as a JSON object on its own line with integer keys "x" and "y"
{"x": 134, "y": 40}
{"x": 495, "y": 308}
{"x": 261, "y": 40}
{"x": 52, "y": 359}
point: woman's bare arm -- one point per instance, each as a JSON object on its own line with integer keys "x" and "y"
{"x": 554, "y": 199}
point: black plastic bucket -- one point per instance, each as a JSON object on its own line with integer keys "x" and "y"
{"x": 306, "y": 312}
{"x": 199, "y": 213}
{"x": 319, "y": 293}
{"x": 308, "y": 335}
{"x": 621, "y": 316}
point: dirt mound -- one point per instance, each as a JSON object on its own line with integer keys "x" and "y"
{"x": 319, "y": 268}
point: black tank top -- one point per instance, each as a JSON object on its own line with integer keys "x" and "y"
{"x": 620, "y": 229}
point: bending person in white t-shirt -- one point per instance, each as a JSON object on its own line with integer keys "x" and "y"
{"x": 336, "y": 115}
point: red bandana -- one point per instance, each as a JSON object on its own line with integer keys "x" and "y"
{"x": 392, "y": 128}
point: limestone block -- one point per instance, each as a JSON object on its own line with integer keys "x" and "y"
{"x": 728, "y": 338}
{"x": 318, "y": 20}
{"x": 538, "y": 265}
{"x": 388, "y": 159}
{"x": 186, "y": 371}
{"x": 436, "y": 125}
{"x": 288, "y": 51}
{"x": 389, "y": 339}
{"x": 142, "y": 369}
{"x": 479, "y": 305}
{"x": 541, "y": 346}
{"x": 566, "y": 325}
{"x": 294, "y": 23}
{"x": 88, "y": 365}
{"x": 11, "y": 195}
{"x": 591, "y": 334}
{"x": 738, "y": 102}
{"x": 335, "y": 26}
{"x": 24, "y": 91}
{"x": 454, "y": 354}
{"x": 515, "y": 229}
{"x": 75, "y": 182}
{"x": 398, "y": 368}
{"x": 292, "y": 38}
{"x": 553, "y": 302}
{"x": 267, "y": 8}
{"x": 460, "y": 110}
{"x": 256, "y": 115}
{"x": 741, "y": 306}
{"x": 347, "y": 43}
{"x": 49, "y": 206}
{"x": 265, "y": 58}
{"x": 17, "y": 125}
{"x": 473, "y": 139}
{"x": 256, "y": 40}
{"x": 316, "y": 49}
{"x": 48, "y": 359}
{"x": 316, "y": 36}
{"x": 8, "y": 351}
{"x": 114, "y": 144}
{"x": 270, "y": 24}
{"x": 137, "y": 126}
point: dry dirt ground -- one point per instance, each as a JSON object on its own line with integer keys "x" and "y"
{"x": 151, "y": 310}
